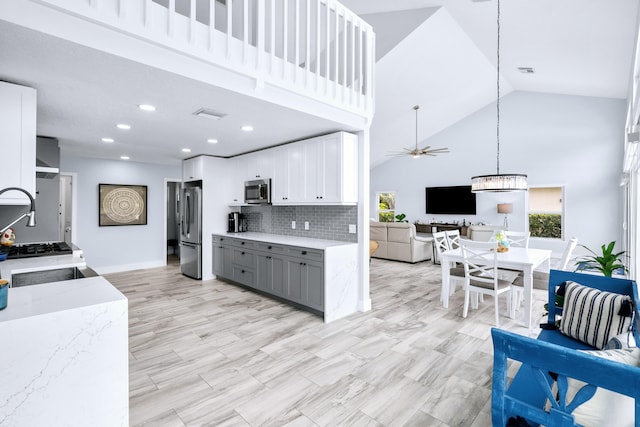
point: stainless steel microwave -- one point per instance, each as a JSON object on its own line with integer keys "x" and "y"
{"x": 257, "y": 191}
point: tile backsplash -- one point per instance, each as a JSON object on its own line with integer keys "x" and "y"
{"x": 325, "y": 222}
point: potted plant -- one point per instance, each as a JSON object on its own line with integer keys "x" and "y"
{"x": 401, "y": 218}
{"x": 606, "y": 263}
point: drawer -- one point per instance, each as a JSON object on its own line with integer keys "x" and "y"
{"x": 271, "y": 248}
{"x": 246, "y": 244}
{"x": 304, "y": 253}
{"x": 244, "y": 258}
{"x": 219, "y": 239}
{"x": 246, "y": 276}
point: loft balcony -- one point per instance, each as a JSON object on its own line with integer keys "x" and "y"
{"x": 315, "y": 49}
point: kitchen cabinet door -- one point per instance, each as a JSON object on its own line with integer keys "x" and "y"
{"x": 297, "y": 173}
{"x": 235, "y": 181}
{"x": 336, "y": 179}
{"x": 259, "y": 165}
{"x": 193, "y": 169}
{"x": 18, "y": 142}
{"x": 313, "y": 285}
{"x": 295, "y": 272}
{"x": 270, "y": 277}
{"x": 222, "y": 260}
{"x": 280, "y": 181}
{"x": 306, "y": 283}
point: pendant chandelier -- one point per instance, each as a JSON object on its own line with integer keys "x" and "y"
{"x": 498, "y": 182}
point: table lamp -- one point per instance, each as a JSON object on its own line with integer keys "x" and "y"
{"x": 506, "y": 209}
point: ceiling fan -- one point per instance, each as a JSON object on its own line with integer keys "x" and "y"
{"x": 417, "y": 152}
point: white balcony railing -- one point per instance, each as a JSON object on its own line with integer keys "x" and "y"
{"x": 317, "y": 48}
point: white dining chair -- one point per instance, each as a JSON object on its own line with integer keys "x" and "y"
{"x": 483, "y": 277}
{"x": 453, "y": 237}
{"x": 440, "y": 244}
{"x": 519, "y": 239}
{"x": 456, "y": 272}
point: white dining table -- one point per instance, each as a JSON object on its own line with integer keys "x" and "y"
{"x": 522, "y": 259}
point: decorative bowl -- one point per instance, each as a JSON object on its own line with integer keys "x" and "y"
{"x": 3, "y": 256}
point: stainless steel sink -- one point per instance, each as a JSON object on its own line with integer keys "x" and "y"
{"x": 53, "y": 275}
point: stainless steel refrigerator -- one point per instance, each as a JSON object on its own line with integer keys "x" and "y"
{"x": 191, "y": 232}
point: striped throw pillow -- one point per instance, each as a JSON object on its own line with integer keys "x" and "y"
{"x": 593, "y": 316}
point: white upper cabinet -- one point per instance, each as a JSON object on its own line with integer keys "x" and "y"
{"x": 193, "y": 169}
{"x": 319, "y": 171}
{"x": 236, "y": 180}
{"x": 259, "y": 164}
{"x": 336, "y": 169}
{"x": 18, "y": 142}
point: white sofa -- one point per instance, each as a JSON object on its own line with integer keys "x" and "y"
{"x": 482, "y": 233}
{"x": 396, "y": 241}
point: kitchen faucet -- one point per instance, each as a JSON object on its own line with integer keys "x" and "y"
{"x": 32, "y": 210}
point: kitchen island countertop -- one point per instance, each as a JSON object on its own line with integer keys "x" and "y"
{"x": 24, "y": 265}
{"x": 67, "y": 357}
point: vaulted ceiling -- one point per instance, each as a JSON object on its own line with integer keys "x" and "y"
{"x": 444, "y": 57}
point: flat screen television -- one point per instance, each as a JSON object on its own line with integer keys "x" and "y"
{"x": 457, "y": 200}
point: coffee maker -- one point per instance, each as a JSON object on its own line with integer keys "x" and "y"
{"x": 237, "y": 223}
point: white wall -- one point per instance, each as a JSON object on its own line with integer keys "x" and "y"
{"x": 120, "y": 248}
{"x": 558, "y": 140}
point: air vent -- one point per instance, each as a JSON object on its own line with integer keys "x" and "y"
{"x": 211, "y": 114}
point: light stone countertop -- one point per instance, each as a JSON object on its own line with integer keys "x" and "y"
{"x": 35, "y": 300}
{"x": 24, "y": 265}
{"x": 280, "y": 239}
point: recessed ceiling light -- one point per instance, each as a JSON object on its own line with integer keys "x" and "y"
{"x": 124, "y": 157}
{"x": 147, "y": 107}
{"x": 247, "y": 128}
{"x": 207, "y": 112}
{"x": 123, "y": 126}
{"x": 526, "y": 70}
{"x": 186, "y": 150}
{"x": 212, "y": 141}
{"x": 107, "y": 140}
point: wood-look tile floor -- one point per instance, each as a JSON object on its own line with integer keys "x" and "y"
{"x": 211, "y": 353}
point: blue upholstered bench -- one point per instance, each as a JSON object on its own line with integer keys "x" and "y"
{"x": 552, "y": 361}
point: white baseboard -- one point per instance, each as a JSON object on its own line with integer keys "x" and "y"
{"x": 129, "y": 267}
{"x": 364, "y": 305}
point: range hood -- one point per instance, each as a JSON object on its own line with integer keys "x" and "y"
{"x": 47, "y": 157}
{"x": 44, "y": 170}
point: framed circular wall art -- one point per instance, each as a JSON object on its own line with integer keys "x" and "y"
{"x": 122, "y": 204}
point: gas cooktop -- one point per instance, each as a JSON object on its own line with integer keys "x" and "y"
{"x": 31, "y": 250}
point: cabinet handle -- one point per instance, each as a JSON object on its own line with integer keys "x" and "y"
{"x": 268, "y": 257}
{"x": 268, "y": 247}
{"x": 221, "y": 239}
{"x": 242, "y": 271}
{"x": 242, "y": 243}
{"x": 304, "y": 252}
{"x": 242, "y": 253}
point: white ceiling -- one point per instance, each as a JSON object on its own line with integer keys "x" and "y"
{"x": 446, "y": 65}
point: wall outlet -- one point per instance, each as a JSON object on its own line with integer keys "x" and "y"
{"x": 293, "y": 225}
{"x": 352, "y": 228}
{"x": 306, "y": 225}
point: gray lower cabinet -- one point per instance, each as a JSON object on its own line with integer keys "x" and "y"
{"x": 293, "y": 273}
{"x": 305, "y": 283}
{"x": 222, "y": 260}
{"x": 271, "y": 274}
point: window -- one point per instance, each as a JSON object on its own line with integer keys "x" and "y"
{"x": 386, "y": 206}
{"x": 546, "y": 209}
